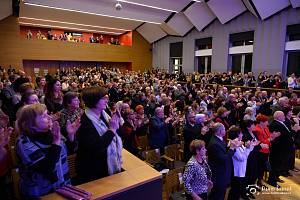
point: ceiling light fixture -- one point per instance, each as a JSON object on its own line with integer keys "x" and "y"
{"x": 198, "y": 1}
{"x": 148, "y": 6}
{"x": 90, "y": 13}
{"x": 68, "y": 28}
{"x": 118, "y": 6}
{"x": 71, "y": 23}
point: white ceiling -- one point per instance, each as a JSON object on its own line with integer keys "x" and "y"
{"x": 153, "y": 19}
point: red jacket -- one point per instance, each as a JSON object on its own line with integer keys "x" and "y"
{"x": 263, "y": 137}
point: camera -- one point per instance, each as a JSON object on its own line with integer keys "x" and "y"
{"x": 118, "y": 6}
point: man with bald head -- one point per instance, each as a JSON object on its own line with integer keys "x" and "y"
{"x": 283, "y": 102}
{"x": 220, "y": 161}
{"x": 281, "y": 148}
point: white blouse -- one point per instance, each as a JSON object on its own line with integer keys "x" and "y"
{"x": 240, "y": 160}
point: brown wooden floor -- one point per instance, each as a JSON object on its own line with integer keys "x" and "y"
{"x": 291, "y": 186}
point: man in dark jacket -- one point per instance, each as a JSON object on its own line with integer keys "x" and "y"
{"x": 191, "y": 131}
{"x": 113, "y": 93}
{"x": 158, "y": 129}
{"x": 282, "y": 148}
{"x": 220, "y": 162}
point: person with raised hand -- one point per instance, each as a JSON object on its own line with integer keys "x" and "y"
{"x": 42, "y": 153}
{"x": 220, "y": 161}
{"x": 99, "y": 151}
{"x": 70, "y": 116}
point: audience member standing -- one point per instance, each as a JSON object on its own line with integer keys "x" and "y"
{"x": 252, "y": 161}
{"x": 291, "y": 81}
{"x": 99, "y": 151}
{"x": 39, "y": 90}
{"x": 263, "y": 134}
{"x": 5, "y": 133}
{"x": 42, "y": 153}
{"x": 239, "y": 162}
{"x": 70, "y": 114}
{"x": 197, "y": 174}
{"x": 29, "y": 34}
{"x": 158, "y": 129}
{"x": 128, "y": 133}
{"x": 282, "y": 148}
{"x": 191, "y": 131}
{"x": 53, "y": 96}
{"x": 220, "y": 161}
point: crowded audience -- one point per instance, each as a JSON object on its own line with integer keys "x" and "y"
{"x": 69, "y": 37}
{"x": 96, "y": 112}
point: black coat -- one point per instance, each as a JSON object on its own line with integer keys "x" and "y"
{"x": 91, "y": 160}
{"x": 281, "y": 147}
{"x": 252, "y": 161}
{"x": 190, "y": 133}
{"x": 220, "y": 162}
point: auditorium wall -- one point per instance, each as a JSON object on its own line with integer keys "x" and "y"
{"x": 269, "y": 42}
{"x": 5, "y": 8}
{"x": 14, "y": 49}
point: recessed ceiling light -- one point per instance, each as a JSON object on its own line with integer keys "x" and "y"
{"x": 69, "y": 28}
{"x": 148, "y": 6}
{"x": 71, "y": 23}
{"x": 90, "y": 13}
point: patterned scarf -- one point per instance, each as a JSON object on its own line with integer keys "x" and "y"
{"x": 114, "y": 150}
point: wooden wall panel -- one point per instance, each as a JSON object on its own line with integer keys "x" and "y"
{"x": 14, "y": 49}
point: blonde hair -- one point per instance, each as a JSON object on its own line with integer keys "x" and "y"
{"x": 27, "y": 116}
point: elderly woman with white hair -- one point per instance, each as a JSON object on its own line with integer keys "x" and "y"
{"x": 249, "y": 114}
{"x": 200, "y": 118}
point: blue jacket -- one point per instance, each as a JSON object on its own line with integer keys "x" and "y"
{"x": 159, "y": 132}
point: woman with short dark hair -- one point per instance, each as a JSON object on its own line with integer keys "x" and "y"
{"x": 99, "y": 151}
{"x": 197, "y": 174}
{"x": 239, "y": 160}
{"x": 70, "y": 114}
{"x": 252, "y": 161}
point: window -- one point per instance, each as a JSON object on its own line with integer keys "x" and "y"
{"x": 177, "y": 65}
{"x": 204, "y": 43}
{"x": 176, "y": 57}
{"x": 242, "y": 39}
{"x": 240, "y": 52}
{"x": 204, "y": 64}
{"x": 293, "y": 32}
{"x": 293, "y": 49}
{"x": 203, "y": 54}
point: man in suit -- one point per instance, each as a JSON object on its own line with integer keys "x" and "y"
{"x": 281, "y": 148}
{"x": 191, "y": 131}
{"x": 220, "y": 162}
{"x": 158, "y": 129}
